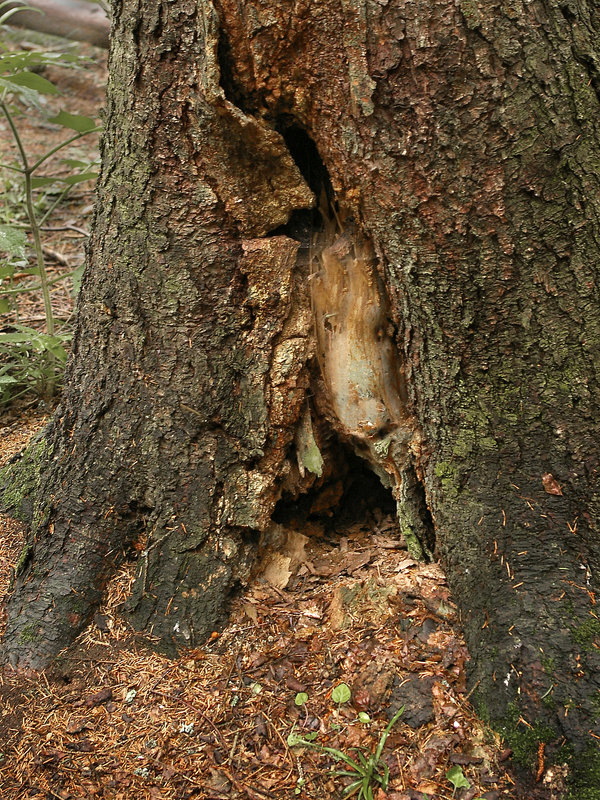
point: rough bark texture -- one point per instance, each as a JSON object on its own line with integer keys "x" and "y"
{"x": 457, "y": 156}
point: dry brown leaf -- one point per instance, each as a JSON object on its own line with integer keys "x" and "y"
{"x": 428, "y": 787}
{"x": 551, "y": 484}
{"x": 78, "y": 725}
{"x": 278, "y": 572}
{"x": 295, "y": 685}
{"x": 100, "y": 697}
{"x": 354, "y": 561}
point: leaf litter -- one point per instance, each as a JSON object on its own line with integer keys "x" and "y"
{"x": 114, "y": 719}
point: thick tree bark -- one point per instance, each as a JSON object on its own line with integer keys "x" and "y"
{"x": 453, "y": 152}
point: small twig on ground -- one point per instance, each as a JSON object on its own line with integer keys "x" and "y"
{"x": 463, "y": 702}
{"x": 233, "y": 664}
{"x": 56, "y": 256}
{"x": 57, "y": 229}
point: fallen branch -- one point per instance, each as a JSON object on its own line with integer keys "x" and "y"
{"x": 72, "y": 19}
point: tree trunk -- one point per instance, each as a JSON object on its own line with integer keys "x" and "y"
{"x": 379, "y": 219}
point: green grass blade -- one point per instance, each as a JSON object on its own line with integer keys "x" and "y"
{"x": 386, "y": 777}
{"x": 386, "y": 733}
{"x": 350, "y": 790}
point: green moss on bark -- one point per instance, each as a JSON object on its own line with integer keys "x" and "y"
{"x": 585, "y": 780}
{"x": 28, "y": 634}
{"x": 23, "y": 558}
{"x": 524, "y": 739}
{"x": 585, "y": 633}
{"x": 19, "y": 481}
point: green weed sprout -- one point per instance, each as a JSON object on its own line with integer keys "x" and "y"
{"x": 368, "y": 772}
{"x": 456, "y": 777}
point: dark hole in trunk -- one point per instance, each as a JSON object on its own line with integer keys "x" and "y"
{"x": 350, "y": 491}
{"x": 305, "y": 222}
{"x": 347, "y": 494}
{"x": 234, "y": 91}
{"x": 308, "y": 159}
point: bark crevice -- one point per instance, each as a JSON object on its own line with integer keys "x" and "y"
{"x": 358, "y": 374}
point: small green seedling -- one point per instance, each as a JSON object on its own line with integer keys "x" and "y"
{"x": 341, "y": 694}
{"x": 456, "y": 777}
{"x": 364, "y": 717}
{"x": 301, "y": 698}
{"x": 367, "y": 772}
{"x": 293, "y": 740}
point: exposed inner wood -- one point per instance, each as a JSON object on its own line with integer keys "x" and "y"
{"x": 358, "y": 359}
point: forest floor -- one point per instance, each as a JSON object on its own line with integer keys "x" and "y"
{"x": 335, "y": 635}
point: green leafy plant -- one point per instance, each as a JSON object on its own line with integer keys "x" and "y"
{"x": 13, "y": 243}
{"x": 457, "y": 778}
{"x": 28, "y": 361}
{"x": 368, "y": 772}
{"x": 32, "y": 361}
{"x": 341, "y": 694}
{"x": 293, "y": 740}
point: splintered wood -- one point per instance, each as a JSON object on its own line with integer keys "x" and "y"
{"x": 358, "y": 359}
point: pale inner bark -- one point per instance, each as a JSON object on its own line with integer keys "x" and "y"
{"x": 358, "y": 359}
{"x": 361, "y": 368}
